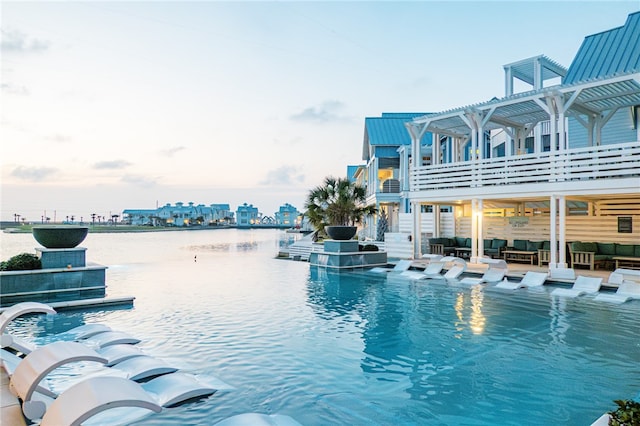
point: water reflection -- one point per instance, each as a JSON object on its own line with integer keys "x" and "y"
{"x": 477, "y": 320}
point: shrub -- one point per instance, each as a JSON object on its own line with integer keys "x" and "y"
{"x": 627, "y": 414}
{"x": 21, "y": 262}
{"x": 370, "y": 247}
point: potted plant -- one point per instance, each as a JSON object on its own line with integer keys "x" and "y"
{"x": 337, "y": 206}
{"x": 627, "y": 414}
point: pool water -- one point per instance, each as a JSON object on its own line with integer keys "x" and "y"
{"x": 353, "y": 348}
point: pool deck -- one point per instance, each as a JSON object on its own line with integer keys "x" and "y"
{"x": 11, "y": 413}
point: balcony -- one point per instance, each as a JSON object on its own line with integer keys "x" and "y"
{"x": 597, "y": 163}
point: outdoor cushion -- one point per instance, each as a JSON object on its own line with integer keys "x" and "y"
{"x": 533, "y": 245}
{"x": 636, "y": 250}
{"x": 467, "y": 243}
{"x": 497, "y": 243}
{"x": 601, "y": 257}
{"x": 577, "y": 246}
{"x": 460, "y": 241}
{"x": 487, "y": 244}
{"x": 590, "y": 247}
{"x": 624, "y": 250}
{"x": 520, "y": 245}
{"x": 546, "y": 245}
{"x": 607, "y": 248}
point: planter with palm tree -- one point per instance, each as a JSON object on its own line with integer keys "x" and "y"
{"x": 337, "y": 206}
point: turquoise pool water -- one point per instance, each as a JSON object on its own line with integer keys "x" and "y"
{"x": 353, "y": 349}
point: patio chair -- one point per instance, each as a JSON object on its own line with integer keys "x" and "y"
{"x": 496, "y": 272}
{"x": 401, "y": 266}
{"x": 530, "y": 279}
{"x": 582, "y": 285}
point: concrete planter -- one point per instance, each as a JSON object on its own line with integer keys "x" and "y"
{"x": 341, "y": 232}
{"x": 60, "y": 236}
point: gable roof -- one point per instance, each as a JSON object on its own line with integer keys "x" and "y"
{"x": 608, "y": 53}
{"x": 387, "y": 130}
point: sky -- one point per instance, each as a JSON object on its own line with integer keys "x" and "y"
{"x": 107, "y": 106}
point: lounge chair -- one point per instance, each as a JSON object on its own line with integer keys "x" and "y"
{"x": 35, "y": 367}
{"x": 90, "y": 397}
{"x": 401, "y": 266}
{"x": 496, "y": 272}
{"x": 100, "y": 335}
{"x": 433, "y": 270}
{"x": 564, "y": 274}
{"x": 582, "y": 285}
{"x": 530, "y": 279}
{"x": 627, "y": 290}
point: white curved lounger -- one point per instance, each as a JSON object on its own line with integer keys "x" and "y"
{"x": 13, "y": 312}
{"x": 401, "y": 266}
{"x": 433, "y": 270}
{"x": 108, "y": 338}
{"x": 626, "y": 291}
{"x": 255, "y": 419}
{"x": 144, "y": 366}
{"x": 92, "y": 396}
{"x": 530, "y": 279}
{"x": 35, "y": 367}
{"x": 496, "y": 272}
{"x": 115, "y": 354}
{"x": 583, "y": 285}
{"x": 176, "y": 388}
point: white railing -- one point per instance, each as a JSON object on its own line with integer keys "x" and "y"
{"x": 597, "y": 162}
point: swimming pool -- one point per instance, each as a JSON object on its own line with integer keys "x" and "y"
{"x": 353, "y": 349}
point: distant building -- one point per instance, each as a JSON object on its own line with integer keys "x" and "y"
{"x": 180, "y": 215}
{"x": 288, "y": 215}
{"x": 247, "y": 215}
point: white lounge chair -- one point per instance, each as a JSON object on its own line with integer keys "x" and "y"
{"x": 496, "y": 272}
{"x": 530, "y": 279}
{"x": 582, "y": 285}
{"x": 564, "y": 274}
{"x": 90, "y": 397}
{"x": 433, "y": 270}
{"x": 401, "y": 266}
{"x": 35, "y": 367}
{"x": 627, "y": 290}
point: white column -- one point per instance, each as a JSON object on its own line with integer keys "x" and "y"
{"x": 474, "y": 231}
{"x": 553, "y": 241}
{"x": 417, "y": 231}
{"x": 479, "y": 219}
{"x": 562, "y": 262}
{"x": 436, "y": 220}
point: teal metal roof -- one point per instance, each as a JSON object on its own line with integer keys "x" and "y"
{"x": 389, "y": 129}
{"x": 605, "y": 54}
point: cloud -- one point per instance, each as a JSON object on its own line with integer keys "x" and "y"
{"x": 138, "y": 180}
{"x": 285, "y": 175}
{"x": 12, "y": 89}
{"x": 33, "y": 174}
{"x": 15, "y": 41}
{"x": 113, "y": 164}
{"x": 172, "y": 151}
{"x": 326, "y": 111}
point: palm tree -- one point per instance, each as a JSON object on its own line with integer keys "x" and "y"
{"x": 338, "y": 201}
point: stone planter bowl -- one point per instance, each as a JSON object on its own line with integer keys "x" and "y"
{"x": 60, "y": 236}
{"x": 340, "y": 232}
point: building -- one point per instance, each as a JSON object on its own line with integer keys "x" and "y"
{"x": 559, "y": 162}
{"x": 385, "y": 151}
{"x": 288, "y": 216}
{"x": 180, "y": 214}
{"x": 247, "y": 215}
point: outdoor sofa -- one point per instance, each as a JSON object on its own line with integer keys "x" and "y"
{"x": 596, "y": 254}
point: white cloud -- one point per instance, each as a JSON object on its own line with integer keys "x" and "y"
{"x": 34, "y": 174}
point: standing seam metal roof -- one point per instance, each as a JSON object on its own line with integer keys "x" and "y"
{"x": 616, "y": 51}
